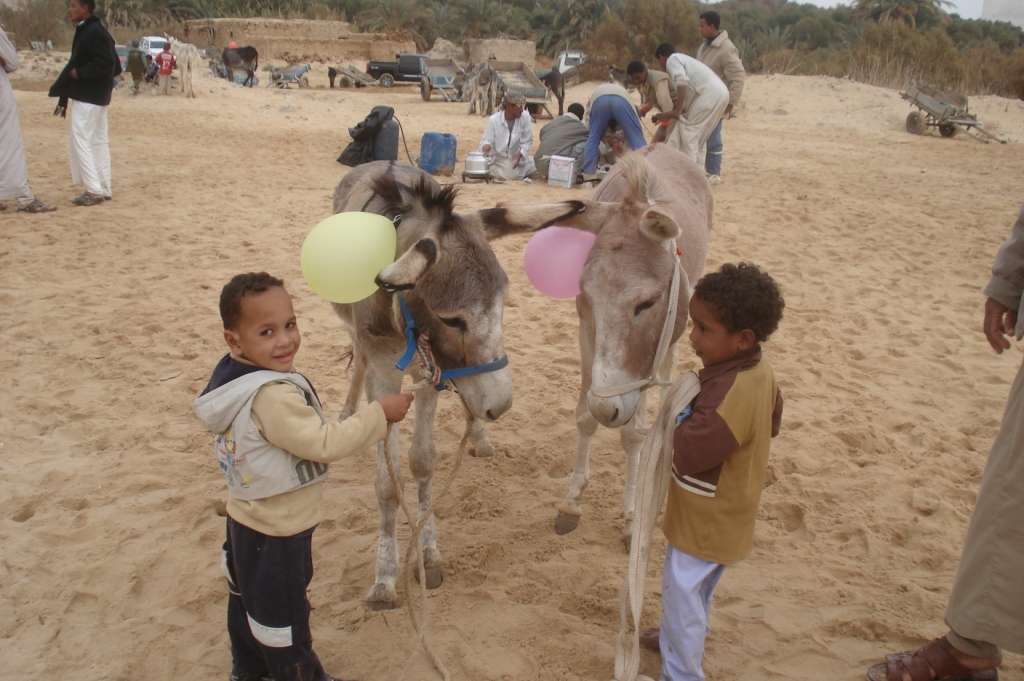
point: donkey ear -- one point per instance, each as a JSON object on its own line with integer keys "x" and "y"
{"x": 403, "y": 273}
{"x": 659, "y": 227}
{"x": 519, "y": 218}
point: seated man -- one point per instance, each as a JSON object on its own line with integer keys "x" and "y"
{"x": 152, "y": 69}
{"x": 609, "y": 104}
{"x": 508, "y": 139}
{"x": 563, "y": 136}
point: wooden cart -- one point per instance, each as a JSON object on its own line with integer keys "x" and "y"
{"x": 515, "y": 76}
{"x": 946, "y": 111}
{"x": 440, "y": 75}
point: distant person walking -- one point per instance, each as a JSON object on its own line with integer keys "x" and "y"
{"x": 136, "y": 64}
{"x": 722, "y": 57}
{"x": 88, "y": 79}
{"x": 165, "y": 62}
{"x": 701, "y": 98}
{"x": 13, "y": 169}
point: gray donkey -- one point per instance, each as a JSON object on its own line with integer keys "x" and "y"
{"x": 445, "y": 290}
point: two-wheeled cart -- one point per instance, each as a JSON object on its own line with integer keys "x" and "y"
{"x": 946, "y": 111}
{"x": 440, "y": 75}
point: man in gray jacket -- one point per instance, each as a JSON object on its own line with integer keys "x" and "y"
{"x": 722, "y": 57}
{"x": 985, "y": 612}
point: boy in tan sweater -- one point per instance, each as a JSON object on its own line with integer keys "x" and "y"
{"x": 273, "y": 445}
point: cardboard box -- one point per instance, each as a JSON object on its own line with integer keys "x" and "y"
{"x": 562, "y": 172}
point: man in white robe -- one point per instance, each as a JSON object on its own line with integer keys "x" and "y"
{"x": 13, "y": 169}
{"x": 508, "y": 139}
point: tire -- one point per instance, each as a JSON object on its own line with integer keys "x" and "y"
{"x": 947, "y": 129}
{"x": 387, "y": 80}
{"x": 345, "y": 82}
{"x": 304, "y": 81}
{"x": 916, "y": 124}
{"x": 425, "y": 88}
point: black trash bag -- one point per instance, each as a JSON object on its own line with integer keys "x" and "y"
{"x": 360, "y": 150}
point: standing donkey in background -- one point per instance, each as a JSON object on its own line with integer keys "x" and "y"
{"x": 443, "y": 295}
{"x": 652, "y": 216}
{"x": 186, "y": 57}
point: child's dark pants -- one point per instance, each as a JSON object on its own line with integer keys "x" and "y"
{"x": 268, "y": 613}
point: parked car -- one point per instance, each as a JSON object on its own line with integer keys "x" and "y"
{"x": 570, "y": 58}
{"x": 153, "y": 44}
{"x": 122, "y": 54}
{"x": 408, "y": 68}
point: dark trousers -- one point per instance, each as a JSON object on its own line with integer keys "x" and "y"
{"x": 268, "y": 613}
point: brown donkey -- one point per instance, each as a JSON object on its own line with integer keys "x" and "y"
{"x": 652, "y": 217}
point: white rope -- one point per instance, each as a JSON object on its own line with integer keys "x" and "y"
{"x": 419, "y": 623}
{"x": 653, "y": 476}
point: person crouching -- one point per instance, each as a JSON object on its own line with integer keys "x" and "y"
{"x": 508, "y": 140}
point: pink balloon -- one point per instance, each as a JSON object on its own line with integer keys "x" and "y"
{"x": 554, "y": 260}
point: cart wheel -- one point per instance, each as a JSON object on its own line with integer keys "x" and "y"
{"x": 304, "y": 81}
{"x": 916, "y": 123}
{"x": 947, "y": 129}
{"x": 345, "y": 82}
{"x": 425, "y": 88}
{"x": 387, "y": 80}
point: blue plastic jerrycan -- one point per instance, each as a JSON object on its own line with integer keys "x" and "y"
{"x": 437, "y": 153}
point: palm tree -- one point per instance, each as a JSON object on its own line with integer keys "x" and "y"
{"x": 900, "y": 10}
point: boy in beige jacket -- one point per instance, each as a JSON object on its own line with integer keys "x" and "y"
{"x": 273, "y": 445}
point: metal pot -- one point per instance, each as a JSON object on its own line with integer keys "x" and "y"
{"x": 477, "y": 164}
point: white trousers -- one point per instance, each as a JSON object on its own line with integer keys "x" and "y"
{"x": 691, "y": 132}
{"x": 686, "y": 589}
{"x": 89, "y": 148}
{"x": 501, "y": 168}
{"x": 165, "y": 83}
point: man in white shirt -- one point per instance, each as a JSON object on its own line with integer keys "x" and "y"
{"x": 701, "y": 98}
{"x": 508, "y": 139}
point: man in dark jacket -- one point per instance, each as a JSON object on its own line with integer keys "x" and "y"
{"x": 88, "y": 79}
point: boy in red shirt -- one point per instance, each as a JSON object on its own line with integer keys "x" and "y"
{"x": 165, "y": 61}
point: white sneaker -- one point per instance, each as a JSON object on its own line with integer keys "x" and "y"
{"x": 527, "y": 180}
{"x": 714, "y": 179}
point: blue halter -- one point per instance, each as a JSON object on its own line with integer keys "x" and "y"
{"x": 445, "y": 374}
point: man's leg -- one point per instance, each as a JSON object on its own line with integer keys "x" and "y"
{"x": 687, "y": 587}
{"x": 624, "y": 115}
{"x": 600, "y": 116}
{"x": 713, "y": 163}
{"x": 85, "y": 119}
{"x": 101, "y": 151}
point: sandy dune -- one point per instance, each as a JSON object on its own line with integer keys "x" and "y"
{"x": 109, "y": 495}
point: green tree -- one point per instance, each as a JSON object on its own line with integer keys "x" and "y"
{"x": 906, "y": 11}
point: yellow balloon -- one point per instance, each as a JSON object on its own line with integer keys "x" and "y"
{"x": 343, "y": 254}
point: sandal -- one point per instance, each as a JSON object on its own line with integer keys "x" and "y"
{"x": 935, "y": 661}
{"x": 37, "y": 206}
{"x": 87, "y": 199}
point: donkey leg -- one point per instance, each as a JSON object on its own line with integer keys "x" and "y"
{"x": 356, "y": 386}
{"x": 482, "y": 447}
{"x": 569, "y": 509}
{"x": 422, "y": 460}
{"x": 632, "y": 437}
{"x": 382, "y": 595}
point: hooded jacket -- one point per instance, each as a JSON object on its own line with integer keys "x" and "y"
{"x": 273, "y": 444}
{"x": 95, "y": 60}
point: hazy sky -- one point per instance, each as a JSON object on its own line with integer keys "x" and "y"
{"x": 968, "y": 9}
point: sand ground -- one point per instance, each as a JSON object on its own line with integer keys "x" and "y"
{"x": 110, "y": 498}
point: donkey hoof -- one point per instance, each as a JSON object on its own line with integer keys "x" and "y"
{"x": 377, "y": 606}
{"x": 566, "y": 523}
{"x": 627, "y": 539}
{"x": 435, "y": 576}
{"x": 483, "y": 451}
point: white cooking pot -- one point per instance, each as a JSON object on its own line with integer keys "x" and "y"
{"x": 477, "y": 163}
